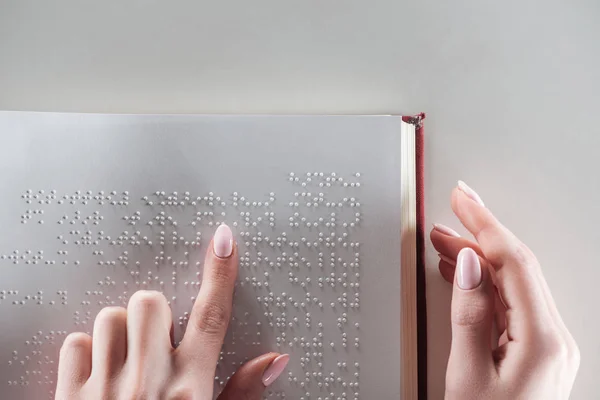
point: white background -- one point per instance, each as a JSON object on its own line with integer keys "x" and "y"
{"x": 510, "y": 88}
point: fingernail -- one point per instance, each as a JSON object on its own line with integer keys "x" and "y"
{"x": 447, "y": 259}
{"x": 275, "y": 369}
{"x": 469, "y": 270}
{"x": 445, "y": 230}
{"x": 470, "y": 192}
{"x": 223, "y": 241}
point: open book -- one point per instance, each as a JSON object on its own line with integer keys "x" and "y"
{"x": 326, "y": 211}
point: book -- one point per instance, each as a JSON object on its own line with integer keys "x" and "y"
{"x": 327, "y": 212}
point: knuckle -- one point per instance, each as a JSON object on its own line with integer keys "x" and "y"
{"x": 212, "y": 318}
{"x": 575, "y": 356}
{"x": 135, "y": 393}
{"x": 111, "y": 314}
{"x": 76, "y": 341}
{"x": 523, "y": 256}
{"x": 147, "y": 300}
{"x": 553, "y": 348}
{"x": 507, "y": 248}
{"x": 493, "y": 234}
{"x": 181, "y": 393}
{"x": 561, "y": 351}
{"x": 137, "y": 387}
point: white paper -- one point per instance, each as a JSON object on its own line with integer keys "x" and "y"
{"x": 78, "y": 191}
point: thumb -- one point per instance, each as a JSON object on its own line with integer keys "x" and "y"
{"x": 251, "y": 379}
{"x": 472, "y": 316}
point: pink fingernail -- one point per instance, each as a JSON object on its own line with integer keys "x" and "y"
{"x": 275, "y": 369}
{"x": 447, "y": 259}
{"x": 469, "y": 269}
{"x": 470, "y": 192}
{"x": 223, "y": 241}
{"x": 445, "y": 230}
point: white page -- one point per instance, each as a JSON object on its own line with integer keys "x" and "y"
{"x": 89, "y": 158}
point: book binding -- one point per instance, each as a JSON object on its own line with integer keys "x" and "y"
{"x": 417, "y": 121}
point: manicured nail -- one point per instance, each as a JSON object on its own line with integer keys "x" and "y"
{"x": 468, "y": 268}
{"x": 445, "y": 230}
{"x": 470, "y": 192}
{"x": 447, "y": 259}
{"x": 223, "y": 241}
{"x": 275, "y": 369}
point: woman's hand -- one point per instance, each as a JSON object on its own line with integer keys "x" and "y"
{"x": 131, "y": 355}
{"x": 499, "y": 279}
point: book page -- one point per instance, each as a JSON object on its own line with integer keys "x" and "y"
{"x": 96, "y": 207}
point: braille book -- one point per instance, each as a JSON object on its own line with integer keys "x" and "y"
{"x": 326, "y": 211}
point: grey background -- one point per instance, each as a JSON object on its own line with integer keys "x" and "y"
{"x": 511, "y": 89}
{"x": 135, "y": 156}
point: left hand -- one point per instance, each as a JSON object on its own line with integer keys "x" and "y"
{"x": 131, "y": 355}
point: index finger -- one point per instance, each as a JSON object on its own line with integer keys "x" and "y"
{"x": 210, "y": 315}
{"x": 516, "y": 267}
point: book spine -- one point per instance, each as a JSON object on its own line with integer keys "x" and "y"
{"x": 417, "y": 121}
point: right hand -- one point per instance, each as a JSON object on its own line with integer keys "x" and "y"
{"x": 498, "y": 277}
{"x": 132, "y": 356}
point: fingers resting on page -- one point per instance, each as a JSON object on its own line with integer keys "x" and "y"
{"x": 132, "y": 354}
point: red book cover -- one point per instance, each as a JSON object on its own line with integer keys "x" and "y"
{"x": 417, "y": 120}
